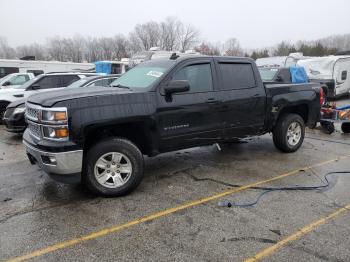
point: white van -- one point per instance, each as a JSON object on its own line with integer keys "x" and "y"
{"x": 331, "y": 70}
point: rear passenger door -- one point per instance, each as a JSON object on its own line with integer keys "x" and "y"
{"x": 66, "y": 80}
{"x": 243, "y": 98}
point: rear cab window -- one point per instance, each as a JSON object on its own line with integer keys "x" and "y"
{"x": 236, "y": 75}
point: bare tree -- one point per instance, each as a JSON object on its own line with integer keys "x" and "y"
{"x": 188, "y": 36}
{"x": 6, "y": 51}
{"x": 120, "y": 47}
{"x": 232, "y": 47}
{"x": 283, "y": 49}
{"x": 170, "y": 31}
{"x": 208, "y": 49}
{"x": 36, "y": 50}
{"x": 148, "y": 34}
{"x": 92, "y": 50}
{"x": 56, "y": 48}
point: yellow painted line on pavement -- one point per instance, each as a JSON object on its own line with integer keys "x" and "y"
{"x": 298, "y": 234}
{"x": 120, "y": 227}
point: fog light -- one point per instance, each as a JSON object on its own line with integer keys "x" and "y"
{"x": 49, "y": 160}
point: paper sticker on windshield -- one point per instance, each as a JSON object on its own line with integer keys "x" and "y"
{"x": 155, "y": 73}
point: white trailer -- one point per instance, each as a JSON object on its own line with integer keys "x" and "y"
{"x": 8, "y": 66}
{"x": 280, "y": 61}
{"x": 331, "y": 70}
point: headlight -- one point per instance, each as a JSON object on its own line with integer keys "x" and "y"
{"x": 19, "y": 110}
{"x": 55, "y": 132}
{"x": 58, "y": 115}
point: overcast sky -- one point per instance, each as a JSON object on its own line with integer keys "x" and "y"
{"x": 255, "y": 23}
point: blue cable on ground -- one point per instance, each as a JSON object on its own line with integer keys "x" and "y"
{"x": 272, "y": 189}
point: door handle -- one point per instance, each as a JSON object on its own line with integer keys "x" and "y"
{"x": 212, "y": 101}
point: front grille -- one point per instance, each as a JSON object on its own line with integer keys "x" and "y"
{"x": 34, "y": 129}
{"x": 32, "y": 112}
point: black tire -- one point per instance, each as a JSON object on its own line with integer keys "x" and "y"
{"x": 3, "y": 106}
{"x": 280, "y": 132}
{"x": 327, "y": 127}
{"x": 312, "y": 125}
{"x": 345, "y": 127}
{"x": 119, "y": 145}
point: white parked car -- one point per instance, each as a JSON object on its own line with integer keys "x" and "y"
{"x": 43, "y": 82}
{"x": 15, "y": 80}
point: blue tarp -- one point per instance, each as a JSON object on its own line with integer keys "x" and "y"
{"x": 298, "y": 74}
{"x": 103, "y": 67}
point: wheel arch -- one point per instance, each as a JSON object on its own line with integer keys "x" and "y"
{"x": 138, "y": 133}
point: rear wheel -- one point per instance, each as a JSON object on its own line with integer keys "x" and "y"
{"x": 113, "y": 167}
{"x": 289, "y": 132}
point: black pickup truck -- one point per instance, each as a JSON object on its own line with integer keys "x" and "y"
{"x": 99, "y": 135}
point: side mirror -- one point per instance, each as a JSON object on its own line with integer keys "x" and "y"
{"x": 176, "y": 86}
{"x": 35, "y": 87}
{"x": 7, "y": 83}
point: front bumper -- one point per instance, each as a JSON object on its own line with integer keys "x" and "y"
{"x": 64, "y": 167}
{"x": 14, "y": 126}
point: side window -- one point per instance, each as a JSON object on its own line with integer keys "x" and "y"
{"x": 19, "y": 80}
{"x": 236, "y": 76}
{"x": 110, "y": 80}
{"x": 48, "y": 82}
{"x": 4, "y": 71}
{"x": 199, "y": 77}
{"x": 344, "y": 75}
{"x": 66, "y": 80}
{"x": 101, "y": 82}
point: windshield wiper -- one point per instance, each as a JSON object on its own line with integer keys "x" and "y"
{"x": 120, "y": 86}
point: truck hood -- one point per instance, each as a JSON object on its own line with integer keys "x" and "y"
{"x": 50, "y": 98}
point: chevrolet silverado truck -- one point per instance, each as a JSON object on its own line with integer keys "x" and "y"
{"x": 99, "y": 135}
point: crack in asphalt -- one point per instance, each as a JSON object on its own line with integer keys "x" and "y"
{"x": 256, "y": 239}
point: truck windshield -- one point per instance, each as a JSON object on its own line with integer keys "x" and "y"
{"x": 144, "y": 75}
{"x": 267, "y": 74}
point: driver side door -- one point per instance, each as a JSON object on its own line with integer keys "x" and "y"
{"x": 190, "y": 118}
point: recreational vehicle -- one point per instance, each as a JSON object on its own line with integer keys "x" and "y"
{"x": 280, "y": 61}
{"x": 8, "y": 66}
{"x": 330, "y": 70}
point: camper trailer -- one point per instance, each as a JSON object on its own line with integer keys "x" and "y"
{"x": 153, "y": 53}
{"x": 330, "y": 70}
{"x": 8, "y": 66}
{"x": 280, "y": 61}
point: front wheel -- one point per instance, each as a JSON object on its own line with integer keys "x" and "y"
{"x": 289, "y": 132}
{"x": 113, "y": 167}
